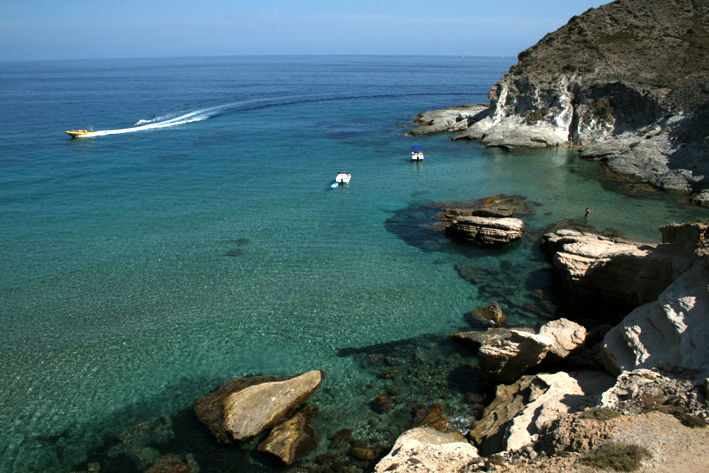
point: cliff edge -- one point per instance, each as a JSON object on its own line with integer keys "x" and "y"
{"x": 628, "y": 80}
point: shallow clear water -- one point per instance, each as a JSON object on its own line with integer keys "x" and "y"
{"x": 143, "y": 268}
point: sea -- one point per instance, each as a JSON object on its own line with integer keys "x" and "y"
{"x": 196, "y": 239}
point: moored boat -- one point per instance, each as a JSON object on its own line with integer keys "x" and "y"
{"x": 416, "y": 153}
{"x": 341, "y": 178}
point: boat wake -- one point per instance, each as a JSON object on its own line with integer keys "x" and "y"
{"x": 170, "y": 120}
{"x": 165, "y": 121}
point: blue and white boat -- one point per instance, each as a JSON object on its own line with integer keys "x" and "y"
{"x": 416, "y": 153}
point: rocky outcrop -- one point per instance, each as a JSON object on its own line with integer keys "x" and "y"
{"x": 424, "y": 449}
{"x": 294, "y": 438}
{"x": 627, "y": 79}
{"x": 243, "y": 408}
{"x": 674, "y": 329}
{"x": 593, "y": 266}
{"x": 565, "y": 336}
{"x": 666, "y": 284}
{"x": 450, "y": 120}
{"x": 642, "y": 390}
{"x": 521, "y": 410}
{"x": 506, "y": 359}
{"x": 486, "y": 230}
{"x": 506, "y": 354}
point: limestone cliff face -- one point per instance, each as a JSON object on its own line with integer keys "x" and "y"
{"x": 629, "y": 79}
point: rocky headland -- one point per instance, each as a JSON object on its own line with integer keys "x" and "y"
{"x": 626, "y": 82}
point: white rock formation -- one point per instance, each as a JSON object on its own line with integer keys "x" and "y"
{"x": 425, "y": 450}
{"x": 564, "y": 394}
{"x": 674, "y": 329}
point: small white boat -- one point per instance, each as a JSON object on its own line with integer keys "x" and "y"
{"x": 416, "y": 153}
{"x": 342, "y": 178}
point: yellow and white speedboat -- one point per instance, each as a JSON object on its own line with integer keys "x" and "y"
{"x": 85, "y": 133}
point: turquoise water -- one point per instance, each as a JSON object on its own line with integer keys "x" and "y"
{"x": 198, "y": 240}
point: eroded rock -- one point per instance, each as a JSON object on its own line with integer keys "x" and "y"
{"x": 487, "y": 230}
{"x": 521, "y": 410}
{"x": 506, "y": 359}
{"x": 424, "y": 449}
{"x": 245, "y": 407}
{"x": 294, "y": 438}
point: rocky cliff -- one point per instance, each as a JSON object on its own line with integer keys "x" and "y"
{"x": 628, "y": 80}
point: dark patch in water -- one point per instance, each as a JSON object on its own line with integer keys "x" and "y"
{"x": 166, "y": 158}
{"x": 235, "y": 252}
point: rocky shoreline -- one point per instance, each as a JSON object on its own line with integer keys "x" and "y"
{"x": 625, "y": 82}
{"x": 557, "y": 393}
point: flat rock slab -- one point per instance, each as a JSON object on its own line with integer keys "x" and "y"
{"x": 243, "y": 408}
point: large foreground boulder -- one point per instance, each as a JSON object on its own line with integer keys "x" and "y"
{"x": 243, "y": 408}
{"x": 424, "y": 449}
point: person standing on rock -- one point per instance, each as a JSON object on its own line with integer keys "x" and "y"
{"x": 587, "y": 213}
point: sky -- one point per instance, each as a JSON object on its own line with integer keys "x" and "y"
{"x": 80, "y": 29}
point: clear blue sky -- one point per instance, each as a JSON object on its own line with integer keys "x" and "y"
{"x": 63, "y": 29}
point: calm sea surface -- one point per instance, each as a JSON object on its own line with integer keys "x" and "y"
{"x": 196, "y": 239}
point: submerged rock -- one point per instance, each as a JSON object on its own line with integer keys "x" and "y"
{"x": 243, "y": 408}
{"x": 294, "y": 438}
{"x": 491, "y": 314}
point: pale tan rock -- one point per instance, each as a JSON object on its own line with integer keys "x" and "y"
{"x": 565, "y": 335}
{"x": 256, "y": 408}
{"x": 506, "y": 359}
{"x": 425, "y": 450}
{"x": 521, "y": 410}
{"x": 487, "y": 230}
{"x": 294, "y": 438}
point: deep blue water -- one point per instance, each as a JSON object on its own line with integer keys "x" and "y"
{"x": 198, "y": 240}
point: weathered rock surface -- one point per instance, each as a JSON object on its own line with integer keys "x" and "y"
{"x": 424, "y": 449}
{"x": 506, "y": 359}
{"x": 245, "y": 407}
{"x": 642, "y": 389}
{"x": 595, "y": 266}
{"x": 475, "y": 340}
{"x": 674, "y": 329}
{"x": 627, "y": 79}
{"x": 523, "y": 409}
{"x": 448, "y": 120}
{"x": 565, "y": 336}
{"x": 294, "y": 438}
{"x": 487, "y": 230}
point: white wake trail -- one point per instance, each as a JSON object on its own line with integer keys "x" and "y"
{"x": 161, "y": 122}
